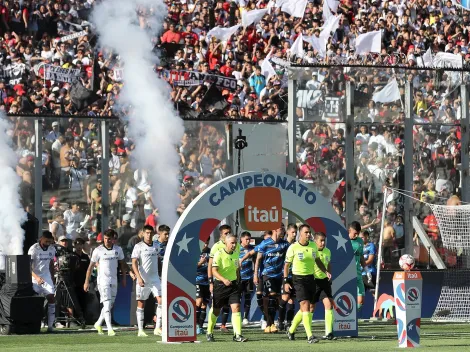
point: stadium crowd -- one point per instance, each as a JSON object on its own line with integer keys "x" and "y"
{"x": 31, "y": 33}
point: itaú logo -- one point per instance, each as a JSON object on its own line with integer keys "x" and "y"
{"x": 263, "y": 208}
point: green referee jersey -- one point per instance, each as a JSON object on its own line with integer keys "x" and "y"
{"x": 302, "y": 258}
{"x": 358, "y": 250}
{"x": 221, "y": 245}
{"x": 325, "y": 256}
{"x": 226, "y": 264}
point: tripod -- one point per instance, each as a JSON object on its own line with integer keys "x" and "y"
{"x": 67, "y": 302}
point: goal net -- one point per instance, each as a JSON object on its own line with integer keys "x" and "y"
{"x": 454, "y": 227}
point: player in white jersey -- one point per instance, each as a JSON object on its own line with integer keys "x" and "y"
{"x": 145, "y": 266}
{"x": 42, "y": 270}
{"x": 107, "y": 256}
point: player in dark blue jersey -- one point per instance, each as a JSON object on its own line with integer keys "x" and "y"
{"x": 369, "y": 272}
{"x": 203, "y": 294}
{"x": 246, "y": 274}
{"x": 161, "y": 242}
{"x": 287, "y": 304}
{"x": 258, "y": 280}
{"x": 272, "y": 253}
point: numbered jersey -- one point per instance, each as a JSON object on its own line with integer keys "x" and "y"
{"x": 147, "y": 256}
{"x": 107, "y": 260}
{"x": 41, "y": 259}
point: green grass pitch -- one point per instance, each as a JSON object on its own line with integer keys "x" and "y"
{"x": 377, "y": 337}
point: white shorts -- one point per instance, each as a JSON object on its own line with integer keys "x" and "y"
{"x": 107, "y": 292}
{"x": 143, "y": 293}
{"x": 46, "y": 289}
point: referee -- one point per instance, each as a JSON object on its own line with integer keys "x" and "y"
{"x": 303, "y": 255}
{"x": 226, "y": 274}
{"x": 323, "y": 284}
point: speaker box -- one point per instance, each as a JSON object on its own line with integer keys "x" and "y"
{"x": 31, "y": 232}
{"x": 18, "y": 269}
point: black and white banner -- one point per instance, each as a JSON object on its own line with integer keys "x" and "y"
{"x": 73, "y": 36}
{"x": 188, "y": 83}
{"x": 191, "y": 76}
{"x": 14, "y": 72}
{"x": 60, "y": 74}
{"x": 315, "y": 106}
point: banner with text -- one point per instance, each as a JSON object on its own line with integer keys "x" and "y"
{"x": 73, "y": 36}
{"x": 190, "y": 77}
{"x": 60, "y": 74}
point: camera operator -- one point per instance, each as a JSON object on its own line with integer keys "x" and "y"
{"x": 76, "y": 176}
{"x": 68, "y": 263}
{"x": 80, "y": 273}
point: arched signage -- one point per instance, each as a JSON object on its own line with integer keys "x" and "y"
{"x": 262, "y": 196}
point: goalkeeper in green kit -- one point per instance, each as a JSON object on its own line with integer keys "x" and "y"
{"x": 303, "y": 255}
{"x": 358, "y": 249}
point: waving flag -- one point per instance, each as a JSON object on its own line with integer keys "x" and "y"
{"x": 333, "y": 5}
{"x": 388, "y": 94}
{"x": 223, "y": 34}
{"x": 295, "y": 8}
{"x": 249, "y": 17}
{"x": 447, "y": 60}
{"x": 297, "y": 47}
{"x": 326, "y": 13}
{"x": 369, "y": 43}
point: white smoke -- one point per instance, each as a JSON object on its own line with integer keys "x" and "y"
{"x": 154, "y": 125}
{"x": 12, "y": 214}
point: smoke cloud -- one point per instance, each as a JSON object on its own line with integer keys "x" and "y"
{"x": 12, "y": 214}
{"x": 154, "y": 125}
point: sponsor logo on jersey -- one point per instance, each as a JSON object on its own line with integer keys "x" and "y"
{"x": 263, "y": 208}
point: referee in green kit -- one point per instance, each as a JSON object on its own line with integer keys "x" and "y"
{"x": 303, "y": 255}
{"x": 226, "y": 274}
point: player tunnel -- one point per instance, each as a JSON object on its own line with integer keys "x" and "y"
{"x": 261, "y": 195}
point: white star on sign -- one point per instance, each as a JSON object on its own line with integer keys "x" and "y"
{"x": 341, "y": 241}
{"x": 410, "y": 327}
{"x": 183, "y": 244}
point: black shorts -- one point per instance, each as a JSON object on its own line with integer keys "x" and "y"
{"x": 225, "y": 295}
{"x": 272, "y": 285}
{"x": 323, "y": 289}
{"x": 369, "y": 285}
{"x": 203, "y": 291}
{"x": 304, "y": 287}
{"x": 291, "y": 292}
{"x": 246, "y": 286}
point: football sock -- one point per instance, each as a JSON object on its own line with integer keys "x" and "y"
{"x": 202, "y": 317}
{"x": 290, "y": 313}
{"x": 159, "y": 316}
{"x": 237, "y": 323}
{"x": 101, "y": 318}
{"x": 246, "y": 311}
{"x": 271, "y": 310}
{"x": 50, "y": 315}
{"x": 107, "y": 314}
{"x": 359, "y": 307}
{"x": 198, "y": 315}
{"x": 282, "y": 311}
{"x": 259, "y": 300}
{"x": 140, "y": 318}
{"x": 307, "y": 321}
{"x": 328, "y": 321}
{"x": 225, "y": 313}
{"x": 295, "y": 322}
{"x": 212, "y": 321}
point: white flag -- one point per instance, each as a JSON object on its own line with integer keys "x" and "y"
{"x": 267, "y": 70}
{"x": 369, "y": 43}
{"x": 223, "y": 34}
{"x": 298, "y": 47}
{"x": 249, "y": 17}
{"x": 427, "y": 58}
{"x": 330, "y": 26}
{"x": 333, "y": 5}
{"x": 295, "y": 8}
{"x": 318, "y": 43}
{"x": 326, "y": 11}
{"x": 388, "y": 94}
{"x": 447, "y": 60}
{"x": 279, "y": 3}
